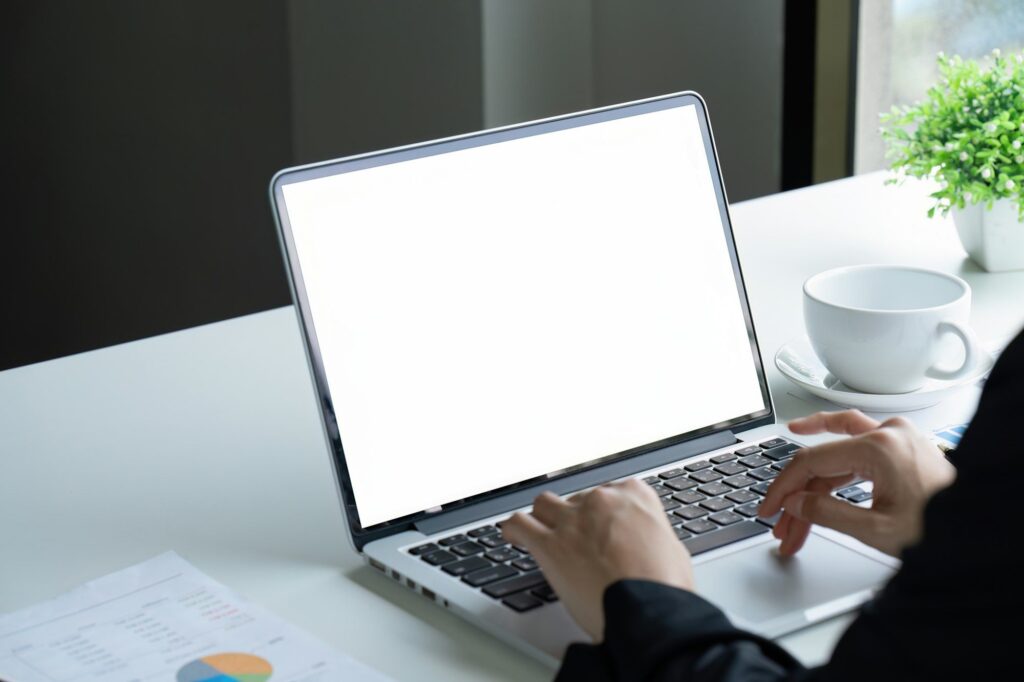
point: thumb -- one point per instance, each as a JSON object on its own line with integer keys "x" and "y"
{"x": 525, "y": 530}
{"x": 824, "y": 510}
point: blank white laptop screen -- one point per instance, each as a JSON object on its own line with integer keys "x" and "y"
{"x": 493, "y": 314}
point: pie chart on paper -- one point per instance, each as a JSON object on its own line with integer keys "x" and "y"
{"x": 226, "y": 668}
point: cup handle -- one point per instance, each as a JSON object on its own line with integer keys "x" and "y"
{"x": 972, "y": 351}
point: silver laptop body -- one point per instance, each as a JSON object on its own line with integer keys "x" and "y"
{"x": 546, "y": 306}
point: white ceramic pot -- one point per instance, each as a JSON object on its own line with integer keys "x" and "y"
{"x": 994, "y": 238}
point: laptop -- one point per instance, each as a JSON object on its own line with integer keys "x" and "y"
{"x": 547, "y": 306}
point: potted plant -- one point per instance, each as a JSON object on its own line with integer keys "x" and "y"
{"x": 968, "y": 134}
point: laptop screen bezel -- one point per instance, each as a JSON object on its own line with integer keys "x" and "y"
{"x": 359, "y": 534}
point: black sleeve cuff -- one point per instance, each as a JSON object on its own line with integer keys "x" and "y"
{"x": 650, "y": 626}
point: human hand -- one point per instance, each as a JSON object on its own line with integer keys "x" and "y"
{"x": 596, "y": 538}
{"x": 905, "y": 467}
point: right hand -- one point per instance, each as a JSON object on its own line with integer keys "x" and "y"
{"x": 904, "y": 465}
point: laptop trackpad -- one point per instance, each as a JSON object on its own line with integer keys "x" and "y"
{"x": 772, "y": 594}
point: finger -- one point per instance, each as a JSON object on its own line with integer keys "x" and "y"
{"x": 639, "y": 490}
{"x": 850, "y": 422}
{"x": 825, "y": 510}
{"x": 525, "y": 531}
{"x": 628, "y": 484}
{"x": 797, "y": 530}
{"x": 576, "y": 498}
{"x": 781, "y": 528}
{"x": 898, "y": 422}
{"x": 550, "y": 509}
{"x": 839, "y": 458}
{"x": 821, "y": 485}
{"x": 794, "y": 541}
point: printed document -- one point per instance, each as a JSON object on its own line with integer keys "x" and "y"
{"x": 162, "y": 620}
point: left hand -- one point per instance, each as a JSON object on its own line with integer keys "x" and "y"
{"x": 597, "y": 538}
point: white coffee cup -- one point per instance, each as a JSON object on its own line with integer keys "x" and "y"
{"x": 888, "y": 328}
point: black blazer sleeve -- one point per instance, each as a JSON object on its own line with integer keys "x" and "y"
{"x": 951, "y": 612}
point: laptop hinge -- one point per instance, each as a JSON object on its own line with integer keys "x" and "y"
{"x": 584, "y": 479}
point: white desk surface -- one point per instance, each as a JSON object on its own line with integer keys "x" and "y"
{"x": 207, "y": 442}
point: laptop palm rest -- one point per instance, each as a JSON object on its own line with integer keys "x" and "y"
{"x": 773, "y": 595}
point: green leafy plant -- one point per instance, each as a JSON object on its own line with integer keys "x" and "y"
{"x": 967, "y": 133}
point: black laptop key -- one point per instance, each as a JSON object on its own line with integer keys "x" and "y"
{"x": 473, "y": 563}
{"x": 763, "y": 474}
{"x": 525, "y": 563}
{"x": 492, "y": 541}
{"x": 749, "y": 510}
{"x": 452, "y": 540}
{"x": 680, "y": 483}
{"x": 503, "y": 588}
{"x": 761, "y": 488}
{"x": 671, "y": 473}
{"x": 522, "y": 602}
{"x": 651, "y": 480}
{"x": 755, "y": 461}
{"x": 742, "y": 496}
{"x": 773, "y": 443}
{"x": 730, "y": 469}
{"x": 467, "y": 548}
{"x": 712, "y": 489}
{"x": 716, "y": 504}
{"x": 782, "y": 452}
{"x": 725, "y": 518}
{"x": 682, "y": 533}
{"x": 502, "y": 554}
{"x": 779, "y": 466}
{"x": 688, "y": 497}
{"x": 741, "y": 481}
{"x": 481, "y": 531}
{"x": 489, "y": 575}
{"x": 862, "y": 496}
{"x": 771, "y": 520}
{"x": 846, "y": 493}
{"x": 668, "y": 504}
{"x": 690, "y": 513}
{"x": 706, "y": 476}
{"x": 724, "y": 536}
{"x": 660, "y": 490}
{"x": 749, "y": 450}
{"x": 439, "y": 557}
{"x": 724, "y": 457}
{"x": 544, "y": 593}
{"x": 423, "y": 549}
{"x": 699, "y": 526}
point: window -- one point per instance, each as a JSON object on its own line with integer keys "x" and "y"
{"x": 898, "y": 42}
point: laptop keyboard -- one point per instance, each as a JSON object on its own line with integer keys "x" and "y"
{"x": 710, "y": 503}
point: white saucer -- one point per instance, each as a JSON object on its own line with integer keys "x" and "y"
{"x": 798, "y": 362}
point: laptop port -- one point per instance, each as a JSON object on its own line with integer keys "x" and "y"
{"x": 410, "y": 584}
{"x": 429, "y": 594}
{"x": 378, "y": 565}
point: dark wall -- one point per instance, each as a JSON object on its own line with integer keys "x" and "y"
{"x": 730, "y": 51}
{"x": 372, "y": 75}
{"x": 138, "y": 137}
{"x": 138, "y": 140}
